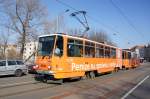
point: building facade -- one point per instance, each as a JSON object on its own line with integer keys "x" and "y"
{"x": 8, "y": 51}
{"x": 147, "y": 53}
{"x": 29, "y": 51}
{"x": 142, "y": 52}
{"x": 139, "y": 50}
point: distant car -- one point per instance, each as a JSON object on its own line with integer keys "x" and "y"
{"x": 12, "y": 67}
{"x": 31, "y": 68}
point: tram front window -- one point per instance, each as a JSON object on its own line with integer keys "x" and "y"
{"x": 46, "y": 45}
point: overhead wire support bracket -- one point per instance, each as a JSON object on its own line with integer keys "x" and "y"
{"x": 84, "y": 23}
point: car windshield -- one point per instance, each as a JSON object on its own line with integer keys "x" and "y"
{"x": 46, "y": 45}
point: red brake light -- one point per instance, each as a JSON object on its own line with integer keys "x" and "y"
{"x": 35, "y": 67}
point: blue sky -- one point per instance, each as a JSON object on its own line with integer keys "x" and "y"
{"x": 106, "y": 17}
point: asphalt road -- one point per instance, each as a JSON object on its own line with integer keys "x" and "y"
{"x": 142, "y": 91}
{"x": 6, "y": 81}
{"x": 127, "y": 84}
{"x": 12, "y": 79}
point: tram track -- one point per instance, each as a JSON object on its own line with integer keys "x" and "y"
{"x": 26, "y": 88}
{"x": 18, "y": 84}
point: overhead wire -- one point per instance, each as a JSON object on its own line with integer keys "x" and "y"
{"x": 126, "y": 18}
{"x": 93, "y": 19}
{"x": 67, "y": 5}
{"x": 113, "y": 29}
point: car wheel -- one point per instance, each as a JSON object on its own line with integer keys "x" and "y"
{"x": 18, "y": 73}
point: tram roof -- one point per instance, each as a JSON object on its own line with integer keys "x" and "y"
{"x": 80, "y": 38}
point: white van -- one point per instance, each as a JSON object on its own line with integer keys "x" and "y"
{"x": 12, "y": 67}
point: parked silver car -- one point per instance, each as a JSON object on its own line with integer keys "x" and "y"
{"x": 12, "y": 67}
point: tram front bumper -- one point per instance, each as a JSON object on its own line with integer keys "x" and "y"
{"x": 44, "y": 74}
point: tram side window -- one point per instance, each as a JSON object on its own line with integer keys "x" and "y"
{"x": 107, "y": 52}
{"x": 113, "y": 53}
{"x": 59, "y": 46}
{"x": 75, "y": 48}
{"x": 126, "y": 55}
{"x": 129, "y": 55}
{"x": 89, "y": 49}
{"x": 123, "y": 55}
{"x": 99, "y": 51}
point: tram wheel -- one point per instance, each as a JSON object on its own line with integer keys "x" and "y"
{"x": 92, "y": 74}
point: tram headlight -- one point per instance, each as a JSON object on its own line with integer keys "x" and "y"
{"x": 49, "y": 67}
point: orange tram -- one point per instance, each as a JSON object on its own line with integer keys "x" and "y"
{"x": 61, "y": 56}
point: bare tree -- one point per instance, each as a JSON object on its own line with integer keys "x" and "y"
{"x": 74, "y": 32}
{"x": 50, "y": 27}
{"x": 101, "y": 36}
{"x": 4, "y": 38}
{"x": 12, "y": 53}
{"x": 26, "y": 17}
{"x": 55, "y": 25}
{"x": 1, "y": 48}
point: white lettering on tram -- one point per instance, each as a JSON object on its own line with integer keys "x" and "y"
{"x": 82, "y": 67}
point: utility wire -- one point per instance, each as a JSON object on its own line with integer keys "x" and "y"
{"x": 126, "y": 18}
{"x": 111, "y": 28}
{"x": 90, "y": 17}
{"x": 67, "y": 5}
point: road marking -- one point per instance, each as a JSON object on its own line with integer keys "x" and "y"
{"x": 129, "y": 92}
{"x": 17, "y": 84}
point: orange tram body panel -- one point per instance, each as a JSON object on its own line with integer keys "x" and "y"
{"x": 62, "y": 56}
